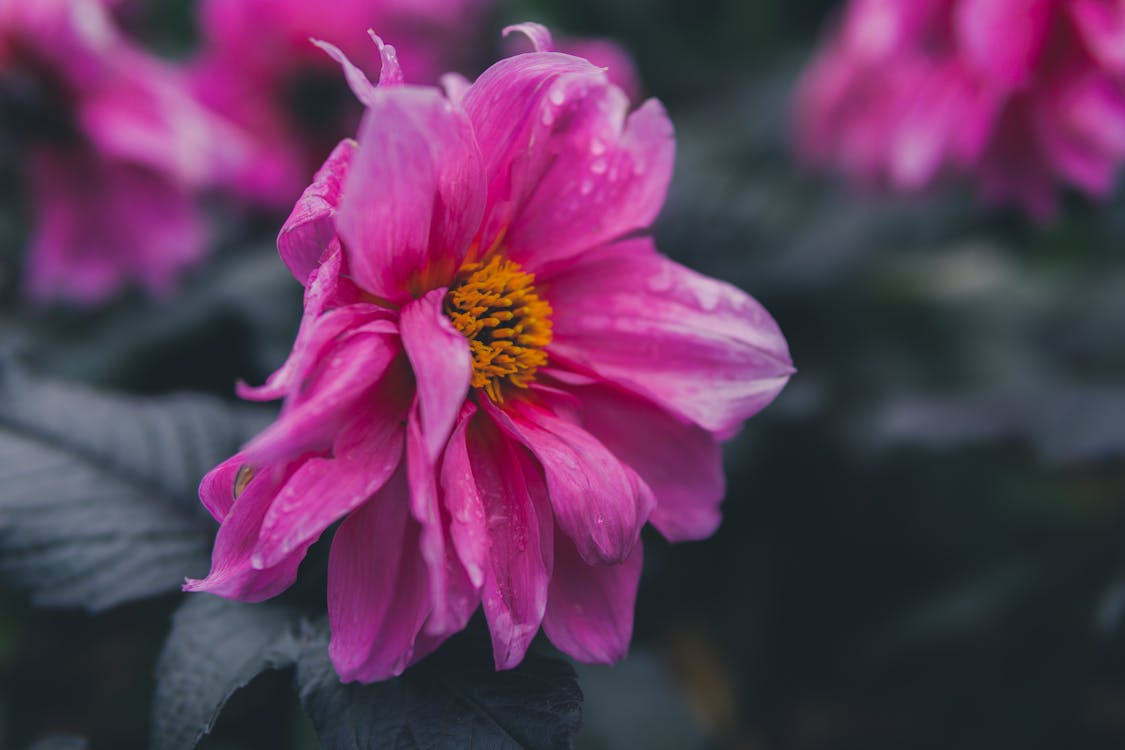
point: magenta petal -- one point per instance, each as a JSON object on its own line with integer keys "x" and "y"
{"x": 699, "y": 347}
{"x": 520, "y": 549}
{"x": 539, "y": 35}
{"x": 681, "y": 463}
{"x": 1102, "y": 25}
{"x": 467, "y": 527}
{"x": 453, "y": 594}
{"x": 414, "y": 195}
{"x": 232, "y": 573}
{"x": 600, "y": 503}
{"x": 378, "y": 588}
{"x": 319, "y": 329}
{"x": 568, "y": 169}
{"x": 442, "y": 364}
{"x": 590, "y": 607}
{"x": 324, "y": 490}
{"x": 310, "y": 421}
{"x": 1002, "y": 39}
{"x": 101, "y": 224}
{"x": 310, "y": 228}
{"x": 216, "y": 489}
{"x": 357, "y": 80}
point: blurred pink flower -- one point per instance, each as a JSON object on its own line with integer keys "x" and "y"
{"x": 1022, "y": 95}
{"x": 258, "y": 67}
{"x": 112, "y": 147}
{"x": 497, "y": 381}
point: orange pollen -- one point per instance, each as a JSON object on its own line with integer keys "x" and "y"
{"x": 495, "y": 306}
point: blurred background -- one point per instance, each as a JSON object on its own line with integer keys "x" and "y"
{"x": 922, "y": 544}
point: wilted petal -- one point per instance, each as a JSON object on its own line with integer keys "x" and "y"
{"x": 699, "y": 347}
{"x": 413, "y": 196}
{"x": 590, "y": 607}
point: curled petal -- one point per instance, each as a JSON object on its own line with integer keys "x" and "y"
{"x": 232, "y": 573}
{"x": 539, "y": 35}
{"x": 413, "y": 196}
{"x": 590, "y": 607}
{"x": 357, "y": 80}
{"x": 310, "y": 230}
{"x": 700, "y": 348}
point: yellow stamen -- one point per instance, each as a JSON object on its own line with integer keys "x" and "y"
{"x": 495, "y": 306}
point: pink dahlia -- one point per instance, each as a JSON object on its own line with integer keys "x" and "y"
{"x": 498, "y": 380}
{"x": 258, "y": 67}
{"x": 111, "y": 148}
{"x": 1023, "y": 95}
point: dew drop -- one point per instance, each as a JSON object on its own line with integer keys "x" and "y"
{"x": 599, "y": 166}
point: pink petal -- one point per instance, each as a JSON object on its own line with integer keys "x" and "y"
{"x": 539, "y": 35}
{"x": 310, "y": 421}
{"x": 311, "y": 227}
{"x": 364, "y": 455}
{"x": 442, "y": 364}
{"x": 216, "y": 489}
{"x": 232, "y": 574}
{"x": 1102, "y": 25}
{"x": 378, "y": 589}
{"x": 600, "y": 503}
{"x": 567, "y": 169}
{"x": 509, "y": 489}
{"x": 357, "y": 80}
{"x": 681, "y": 463}
{"x": 1002, "y": 39}
{"x": 700, "y": 348}
{"x": 102, "y": 224}
{"x": 467, "y": 527}
{"x": 414, "y": 195}
{"x": 590, "y": 607}
{"x": 319, "y": 329}
{"x": 612, "y": 58}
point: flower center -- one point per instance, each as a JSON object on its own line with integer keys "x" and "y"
{"x": 495, "y": 306}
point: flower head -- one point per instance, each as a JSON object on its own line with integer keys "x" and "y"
{"x": 1023, "y": 96}
{"x": 497, "y": 381}
{"x": 111, "y": 147}
{"x": 258, "y": 67}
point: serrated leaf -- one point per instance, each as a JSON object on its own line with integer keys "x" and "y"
{"x": 453, "y": 699}
{"x": 99, "y": 502}
{"x": 215, "y": 647}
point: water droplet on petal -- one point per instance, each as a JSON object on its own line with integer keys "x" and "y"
{"x": 598, "y": 166}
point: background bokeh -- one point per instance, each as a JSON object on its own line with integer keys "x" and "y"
{"x": 922, "y": 544}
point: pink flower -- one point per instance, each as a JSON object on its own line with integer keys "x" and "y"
{"x": 258, "y": 68}
{"x": 497, "y": 381}
{"x": 1023, "y": 95}
{"x": 111, "y": 147}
